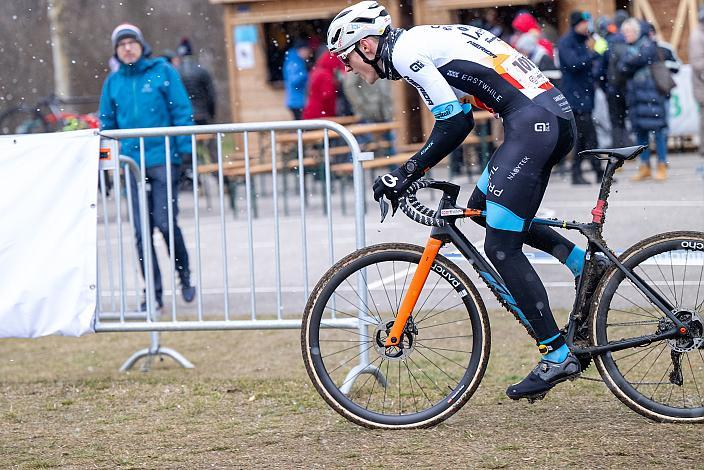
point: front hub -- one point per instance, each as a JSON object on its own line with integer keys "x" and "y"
{"x": 404, "y": 346}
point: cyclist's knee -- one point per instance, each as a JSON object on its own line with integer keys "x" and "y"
{"x": 502, "y": 246}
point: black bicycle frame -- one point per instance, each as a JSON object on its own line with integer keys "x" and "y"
{"x": 449, "y": 233}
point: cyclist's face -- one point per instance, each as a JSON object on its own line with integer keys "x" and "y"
{"x": 129, "y": 51}
{"x": 354, "y": 62}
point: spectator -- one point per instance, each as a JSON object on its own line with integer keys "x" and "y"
{"x": 613, "y": 82}
{"x": 296, "y": 76}
{"x": 323, "y": 87}
{"x": 492, "y": 24}
{"x": 527, "y": 44}
{"x": 526, "y": 23}
{"x": 148, "y": 92}
{"x": 647, "y": 107}
{"x": 372, "y": 103}
{"x": 577, "y": 61}
{"x": 696, "y": 59}
{"x": 201, "y": 91}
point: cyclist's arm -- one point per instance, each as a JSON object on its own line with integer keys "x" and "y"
{"x": 453, "y": 121}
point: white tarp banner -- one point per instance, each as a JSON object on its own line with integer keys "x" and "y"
{"x": 48, "y": 197}
{"x": 684, "y": 110}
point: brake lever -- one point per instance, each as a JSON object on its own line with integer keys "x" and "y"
{"x": 384, "y": 208}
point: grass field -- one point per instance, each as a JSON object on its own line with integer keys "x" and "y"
{"x": 249, "y": 403}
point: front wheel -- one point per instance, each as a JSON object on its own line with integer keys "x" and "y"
{"x": 664, "y": 380}
{"x": 443, "y": 352}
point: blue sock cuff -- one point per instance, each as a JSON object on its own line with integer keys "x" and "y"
{"x": 575, "y": 261}
{"x": 558, "y": 355}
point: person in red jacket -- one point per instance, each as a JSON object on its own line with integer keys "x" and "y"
{"x": 526, "y": 23}
{"x": 323, "y": 87}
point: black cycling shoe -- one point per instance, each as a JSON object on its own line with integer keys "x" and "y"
{"x": 543, "y": 378}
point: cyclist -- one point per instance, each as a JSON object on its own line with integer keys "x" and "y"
{"x": 456, "y": 68}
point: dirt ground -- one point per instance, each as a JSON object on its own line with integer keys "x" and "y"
{"x": 249, "y": 403}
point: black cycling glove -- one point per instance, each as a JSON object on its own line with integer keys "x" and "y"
{"x": 394, "y": 184}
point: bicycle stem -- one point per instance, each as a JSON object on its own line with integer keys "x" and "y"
{"x": 409, "y": 300}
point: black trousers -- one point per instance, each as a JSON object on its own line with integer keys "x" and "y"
{"x": 586, "y": 139}
{"x": 617, "y": 117}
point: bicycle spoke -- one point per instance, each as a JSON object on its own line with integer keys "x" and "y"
{"x": 426, "y": 375}
{"x": 447, "y": 337}
{"x": 349, "y": 379}
{"x": 371, "y": 314}
{"x": 653, "y": 284}
{"x": 661, "y": 383}
{"x": 403, "y": 288}
{"x": 399, "y": 388}
{"x": 441, "y": 355}
{"x": 456, "y": 381}
{"x": 427, "y": 315}
{"x": 452, "y": 322}
{"x": 661, "y": 273}
{"x": 340, "y": 351}
{"x": 672, "y": 271}
{"x": 631, "y": 313}
{"x": 640, "y": 360}
{"x": 350, "y": 359}
{"x": 427, "y": 297}
{"x": 684, "y": 275}
{"x": 642, "y": 322}
{"x": 656, "y": 360}
{"x": 351, "y": 315}
{"x": 383, "y": 403}
{"x": 369, "y": 291}
{"x": 440, "y": 312}
{"x": 381, "y": 279}
{"x": 638, "y": 351}
{"x": 694, "y": 379}
{"x": 420, "y": 387}
{"x": 634, "y": 304}
{"x": 371, "y": 392}
{"x": 701, "y": 273}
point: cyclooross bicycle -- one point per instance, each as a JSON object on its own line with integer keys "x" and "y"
{"x": 422, "y": 340}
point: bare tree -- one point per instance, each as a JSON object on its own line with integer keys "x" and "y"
{"x": 59, "y": 55}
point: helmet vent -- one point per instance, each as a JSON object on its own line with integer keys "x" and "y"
{"x": 341, "y": 14}
{"x": 363, "y": 20}
{"x": 336, "y": 36}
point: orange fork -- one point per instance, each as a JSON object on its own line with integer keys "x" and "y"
{"x": 409, "y": 301}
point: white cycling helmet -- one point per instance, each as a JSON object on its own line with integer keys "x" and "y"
{"x": 357, "y": 22}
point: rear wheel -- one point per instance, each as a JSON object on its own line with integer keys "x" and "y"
{"x": 663, "y": 380}
{"x": 444, "y": 350}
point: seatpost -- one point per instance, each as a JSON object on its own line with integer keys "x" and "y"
{"x": 599, "y": 211}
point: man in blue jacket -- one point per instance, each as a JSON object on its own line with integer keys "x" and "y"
{"x": 295, "y": 72}
{"x": 147, "y": 92}
{"x": 577, "y": 62}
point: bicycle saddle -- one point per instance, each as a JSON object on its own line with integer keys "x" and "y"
{"x": 624, "y": 153}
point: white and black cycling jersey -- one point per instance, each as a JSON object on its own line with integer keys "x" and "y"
{"x": 453, "y": 65}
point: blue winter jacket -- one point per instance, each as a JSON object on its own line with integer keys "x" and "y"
{"x": 577, "y": 64}
{"x": 148, "y": 93}
{"x": 295, "y": 79}
{"x": 647, "y": 108}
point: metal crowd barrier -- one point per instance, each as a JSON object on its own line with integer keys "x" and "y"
{"x": 228, "y": 296}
